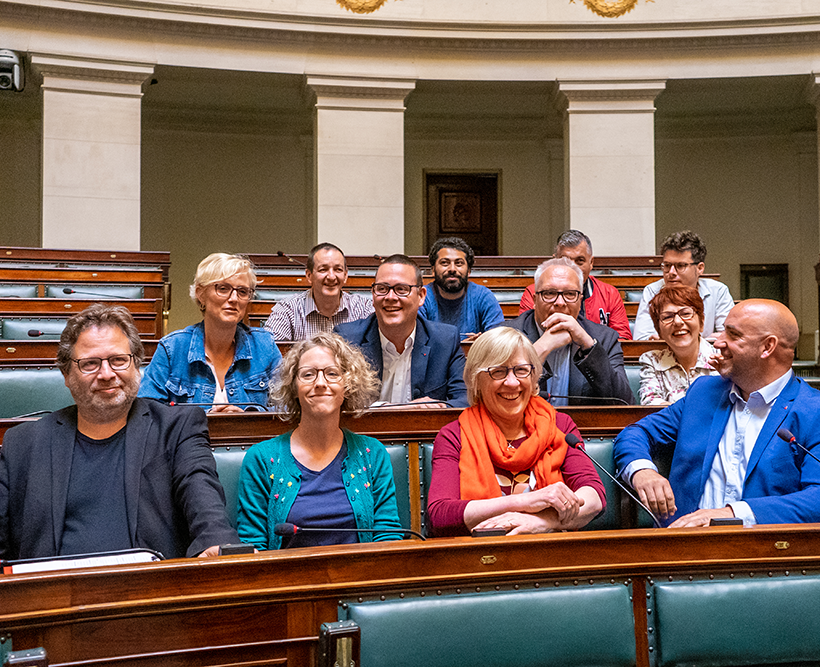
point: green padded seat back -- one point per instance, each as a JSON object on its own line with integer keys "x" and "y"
{"x": 17, "y": 328}
{"x": 229, "y": 464}
{"x": 25, "y": 390}
{"x": 633, "y": 296}
{"x": 18, "y": 291}
{"x": 633, "y": 374}
{"x": 743, "y": 621}
{"x": 568, "y": 626}
{"x": 95, "y": 291}
{"x": 275, "y": 294}
{"x": 601, "y": 450}
{"x": 401, "y": 477}
{"x": 426, "y": 453}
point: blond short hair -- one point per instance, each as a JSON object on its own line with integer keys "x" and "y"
{"x": 494, "y": 348}
{"x": 361, "y": 382}
{"x": 217, "y": 267}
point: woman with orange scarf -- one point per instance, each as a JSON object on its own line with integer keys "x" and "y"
{"x": 505, "y": 464}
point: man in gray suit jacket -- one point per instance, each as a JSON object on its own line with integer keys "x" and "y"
{"x": 583, "y": 361}
{"x": 113, "y": 471}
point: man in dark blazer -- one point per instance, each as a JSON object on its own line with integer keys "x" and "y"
{"x": 722, "y": 436}
{"x": 419, "y": 362}
{"x": 583, "y": 361}
{"x": 113, "y": 471}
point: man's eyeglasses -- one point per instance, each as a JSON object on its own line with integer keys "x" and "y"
{"x": 501, "y": 372}
{"x": 224, "y": 290}
{"x": 309, "y": 375}
{"x": 401, "y": 289}
{"x": 679, "y": 267}
{"x": 685, "y": 314}
{"x": 117, "y": 362}
{"x": 550, "y": 295}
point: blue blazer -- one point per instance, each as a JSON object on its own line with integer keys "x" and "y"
{"x": 437, "y": 363}
{"x": 782, "y": 483}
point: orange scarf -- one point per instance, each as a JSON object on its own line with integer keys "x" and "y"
{"x": 483, "y": 444}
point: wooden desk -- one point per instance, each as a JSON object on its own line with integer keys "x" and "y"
{"x": 267, "y": 608}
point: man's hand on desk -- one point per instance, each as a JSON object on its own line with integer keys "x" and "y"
{"x": 210, "y": 552}
{"x": 701, "y": 518}
{"x": 654, "y": 490}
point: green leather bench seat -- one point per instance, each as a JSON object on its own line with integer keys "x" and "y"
{"x": 760, "y": 620}
{"x": 229, "y": 464}
{"x": 568, "y": 626}
{"x": 633, "y": 374}
{"x": 17, "y": 328}
{"x": 26, "y": 390}
{"x": 633, "y": 296}
{"x": 275, "y": 294}
{"x": 91, "y": 291}
{"x": 18, "y": 291}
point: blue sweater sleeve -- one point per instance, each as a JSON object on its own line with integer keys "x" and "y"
{"x": 253, "y": 497}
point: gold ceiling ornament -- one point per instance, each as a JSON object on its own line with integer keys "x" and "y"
{"x": 361, "y": 6}
{"x": 609, "y": 8}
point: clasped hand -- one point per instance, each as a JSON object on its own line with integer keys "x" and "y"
{"x": 557, "y": 497}
{"x": 561, "y": 329}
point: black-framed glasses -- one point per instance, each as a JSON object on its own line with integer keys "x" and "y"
{"x": 550, "y": 295}
{"x": 685, "y": 314}
{"x": 224, "y": 290}
{"x": 666, "y": 267}
{"x": 401, "y": 289}
{"x": 309, "y": 375}
{"x": 521, "y": 371}
{"x": 117, "y": 362}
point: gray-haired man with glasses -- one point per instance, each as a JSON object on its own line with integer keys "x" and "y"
{"x": 583, "y": 361}
{"x": 419, "y": 362}
{"x": 113, "y": 471}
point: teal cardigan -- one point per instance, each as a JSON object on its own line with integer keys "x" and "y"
{"x": 270, "y": 481}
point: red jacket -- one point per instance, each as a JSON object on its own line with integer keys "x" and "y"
{"x": 603, "y": 306}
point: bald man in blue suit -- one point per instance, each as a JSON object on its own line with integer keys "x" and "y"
{"x": 727, "y": 457}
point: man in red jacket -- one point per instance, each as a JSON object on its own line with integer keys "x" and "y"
{"x": 602, "y": 302}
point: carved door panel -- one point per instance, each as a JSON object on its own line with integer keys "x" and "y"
{"x": 464, "y": 205}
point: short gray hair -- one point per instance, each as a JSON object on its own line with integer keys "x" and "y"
{"x": 559, "y": 261}
{"x": 494, "y": 348}
{"x": 572, "y": 238}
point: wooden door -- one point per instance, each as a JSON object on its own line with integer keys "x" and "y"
{"x": 464, "y": 205}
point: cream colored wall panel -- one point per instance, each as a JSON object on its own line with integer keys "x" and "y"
{"x": 617, "y": 231}
{"x": 350, "y": 132}
{"x": 626, "y": 135}
{"x": 91, "y": 169}
{"x": 91, "y": 224}
{"x": 359, "y": 180}
{"x": 362, "y": 230}
{"x": 87, "y": 117}
{"x": 615, "y": 182}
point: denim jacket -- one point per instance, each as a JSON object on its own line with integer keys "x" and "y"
{"x": 179, "y": 373}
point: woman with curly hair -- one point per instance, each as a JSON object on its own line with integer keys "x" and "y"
{"x": 319, "y": 475}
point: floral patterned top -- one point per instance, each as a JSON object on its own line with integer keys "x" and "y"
{"x": 663, "y": 379}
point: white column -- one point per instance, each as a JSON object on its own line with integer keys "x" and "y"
{"x": 609, "y": 141}
{"x": 359, "y": 162}
{"x": 91, "y": 152}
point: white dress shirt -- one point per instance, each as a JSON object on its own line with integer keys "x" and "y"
{"x": 396, "y": 370}
{"x": 724, "y": 486}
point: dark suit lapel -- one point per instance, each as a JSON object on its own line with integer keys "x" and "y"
{"x": 372, "y": 346}
{"x": 136, "y": 432}
{"x": 62, "y": 452}
{"x": 418, "y": 362}
{"x": 782, "y": 405}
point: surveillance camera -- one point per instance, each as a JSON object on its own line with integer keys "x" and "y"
{"x": 12, "y": 76}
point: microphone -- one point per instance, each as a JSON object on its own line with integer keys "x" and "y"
{"x": 261, "y": 407}
{"x": 31, "y": 414}
{"x": 34, "y": 333}
{"x": 575, "y": 443}
{"x": 279, "y": 253}
{"x": 68, "y": 290}
{"x": 378, "y": 258}
{"x": 787, "y": 436}
{"x": 608, "y": 399}
{"x": 283, "y": 529}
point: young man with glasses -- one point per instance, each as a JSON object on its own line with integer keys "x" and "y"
{"x": 583, "y": 361}
{"x": 113, "y": 471}
{"x": 419, "y": 362}
{"x": 684, "y": 254}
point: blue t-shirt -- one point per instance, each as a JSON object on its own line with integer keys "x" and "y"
{"x": 95, "y": 515}
{"x": 478, "y": 309}
{"x": 322, "y": 502}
